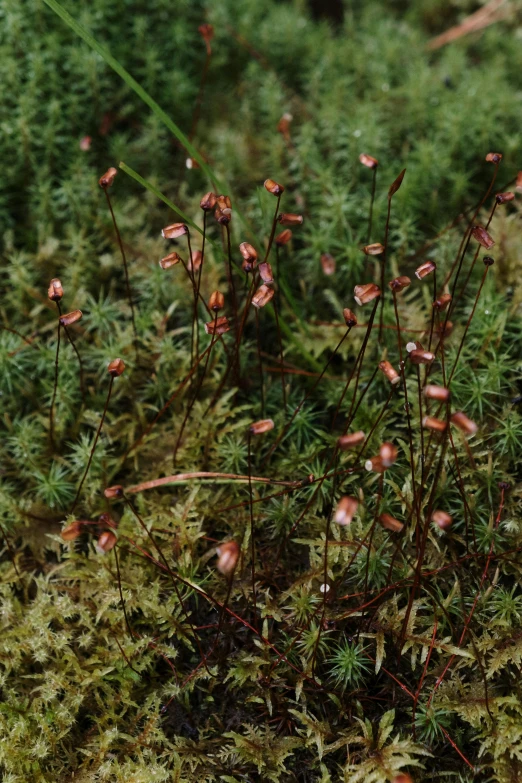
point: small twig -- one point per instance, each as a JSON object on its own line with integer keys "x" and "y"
{"x": 161, "y": 482}
{"x": 487, "y": 15}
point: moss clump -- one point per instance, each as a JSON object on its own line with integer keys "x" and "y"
{"x": 145, "y": 663}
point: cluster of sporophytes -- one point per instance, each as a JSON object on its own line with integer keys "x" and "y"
{"x": 259, "y": 501}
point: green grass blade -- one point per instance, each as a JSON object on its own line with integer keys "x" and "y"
{"x": 150, "y": 187}
{"x": 138, "y": 89}
{"x": 220, "y": 187}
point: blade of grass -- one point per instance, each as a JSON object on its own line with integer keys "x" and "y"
{"x": 138, "y": 89}
{"x": 221, "y": 187}
{"x": 152, "y": 189}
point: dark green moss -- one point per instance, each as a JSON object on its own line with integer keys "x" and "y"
{"x": 321, "y": 692}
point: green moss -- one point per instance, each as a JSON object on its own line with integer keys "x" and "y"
{"x": 101, "y": 672}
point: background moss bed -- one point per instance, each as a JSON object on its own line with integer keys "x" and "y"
{"x": 71, "y": 708}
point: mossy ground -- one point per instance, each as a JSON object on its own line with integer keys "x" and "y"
{"x": 309, "y": 691}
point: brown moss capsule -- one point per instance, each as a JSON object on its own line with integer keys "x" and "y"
{"x": 390, "y": 523}
{"x": 441, "y": 302}
{"x": 289, "y": 219}
{"x": 439, "y": 393}
{"x": 174, "y": 231}
{"x": 366, "y": 293}
{"x": 273, "y": 187}
{"x": 368, "y": 161}
{"x": 70, "y": 318}
{"x": 265, "y": 272}
{"x": 518, "y": 185}
{"x": 283, "y": 126}
{"x": 85, "y": 143}
{"x": 113, "y": 492}
{"x": 72, "y": 531}
{"x": 414, "y": 345}
{"x": 216, "y": 301}
{"x": 248, "y": 251}
{"x": 394, "y": 187}
{"x": 494, "y": 157}
{"x": 425, "y": 269}
{"x": 390, "y": 372}
{"x": 503, "y": 198}
{"x": 223, "y": 211}
{"x": 388, "y": 453}
{"x": 375, "y": 465}
{"x": 442, "y": 519}
{"x": 228, "y": 555}
{"x": 402, "y": 777}
{"x": 208, "y": 202}
{"x": 206, "y": 31}
{"x": 106, "y": 519}
{"x": 262, "y": 426}
{"x": 350, "y": 318}
{"x": 116, "y": 367}
{"x": 262, "y": 296}
{"x": 249, "y": 254}
{"x": 107, "y": 179}
{"x": 463, "y": 423}
{"x": 106, "y": 541}
{"x": 374, "y": 250}
{"x": 444, "y": 329}
{"x": 171, "y": 260}
{"x": 488, "y": 261}
{"x": 223, "y": 202}
{"x": 483, "y": 238}
{"x": 345, "y": 511}
{"x": 218, "y": 326}
{"x": 432, "y": 423}
{"x": 399, "y": 283}
{"x": 55, "y": 290}
{"x": 351, "y": 440}
{"x": 284, "y": 237}
{"x": 223, "y": 216}
{"x": 195, "y": 261}
{"x": 328, "y": 264}
{"x": 421, "y": 357}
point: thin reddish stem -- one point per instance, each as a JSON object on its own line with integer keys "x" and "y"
{"x": 91, "y": 455}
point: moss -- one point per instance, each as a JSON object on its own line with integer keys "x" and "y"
{"x": 123, "y": 665}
